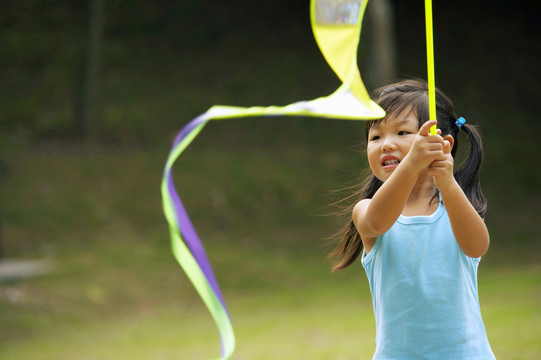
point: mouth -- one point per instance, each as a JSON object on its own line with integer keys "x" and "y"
{"x": 389, "y": 162}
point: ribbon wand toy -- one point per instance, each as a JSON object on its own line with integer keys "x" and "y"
{"x": 336, "y": 25}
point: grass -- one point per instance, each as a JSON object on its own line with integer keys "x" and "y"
{"x": 318, "y": 316}
{"x": 117, "y": 293}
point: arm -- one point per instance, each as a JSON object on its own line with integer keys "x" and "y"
{"x": 468, "y": 227}
{"x": 373, "y": 217}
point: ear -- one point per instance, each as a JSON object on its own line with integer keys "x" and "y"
{"x": 451, "y": 141}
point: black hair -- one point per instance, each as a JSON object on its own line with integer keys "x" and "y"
{"x": 394, "y": 99}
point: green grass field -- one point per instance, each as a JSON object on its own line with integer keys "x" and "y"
{"x": 117, "y": 293}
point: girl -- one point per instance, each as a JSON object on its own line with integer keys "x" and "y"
{"x": 420, "y": 230}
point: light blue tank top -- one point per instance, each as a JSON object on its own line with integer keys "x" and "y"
{"x": 424, "y": 293}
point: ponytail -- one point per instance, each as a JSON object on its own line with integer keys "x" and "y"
{"x": 468, "y": 174}
{"x": 350, "y": 246}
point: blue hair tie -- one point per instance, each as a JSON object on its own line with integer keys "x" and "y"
{"x": 461, "y": 121}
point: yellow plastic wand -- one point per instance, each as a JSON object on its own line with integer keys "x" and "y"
{"x": 430, "y": 64}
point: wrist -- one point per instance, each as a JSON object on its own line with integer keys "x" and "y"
{"x": 448, "y": 187}
{"x": 411, "y": 165}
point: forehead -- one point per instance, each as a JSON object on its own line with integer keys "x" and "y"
{"x": 405, "y": 117}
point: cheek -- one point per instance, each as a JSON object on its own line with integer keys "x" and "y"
{"x": 406, "y": 143}
{"x": 373, "y": 157}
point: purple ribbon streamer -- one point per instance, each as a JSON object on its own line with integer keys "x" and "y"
{"x": 185, "y": 226}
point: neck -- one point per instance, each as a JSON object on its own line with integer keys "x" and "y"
{"x": 419, "y": 201}
{"x": 424, "y": 188}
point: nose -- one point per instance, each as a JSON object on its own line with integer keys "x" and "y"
{"x": 388, "y": 144}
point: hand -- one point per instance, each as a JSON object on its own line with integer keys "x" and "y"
{"x": 441, "y": 169}
{"x": 425, "y": 148}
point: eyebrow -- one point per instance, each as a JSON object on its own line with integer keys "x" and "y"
{"x": 401, "y": 122}
{"x": 404, "y": 120}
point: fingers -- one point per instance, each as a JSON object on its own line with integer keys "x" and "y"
{"x": 438, "y": 164}
{"x": 425, "y": 128}
{"x": 438, "y": 169}
{"x": 444, "y": 161}
{"x": 428, "y": 149}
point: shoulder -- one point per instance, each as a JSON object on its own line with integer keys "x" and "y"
{"x": 359, "y": 211}
{"x": 360, "y": 208}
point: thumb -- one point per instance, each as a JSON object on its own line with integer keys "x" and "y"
{"x": 425, "y": 128}
{"x": 446, "y": 147}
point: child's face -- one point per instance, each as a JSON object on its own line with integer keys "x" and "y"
{"x": 390, "y": 141}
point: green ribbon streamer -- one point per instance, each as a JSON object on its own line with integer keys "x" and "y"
{"x": 336, "y": 25}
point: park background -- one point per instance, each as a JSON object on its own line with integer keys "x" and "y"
{"x": 86, "y": 122}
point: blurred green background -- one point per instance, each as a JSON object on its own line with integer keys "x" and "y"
{"x": 86, "y": 122}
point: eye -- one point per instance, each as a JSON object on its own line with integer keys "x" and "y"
{"x": 375, "y": 137}
{"x": 404, "y": 133}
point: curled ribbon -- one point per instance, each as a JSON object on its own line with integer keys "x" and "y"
{"x": 336, "y": 25}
